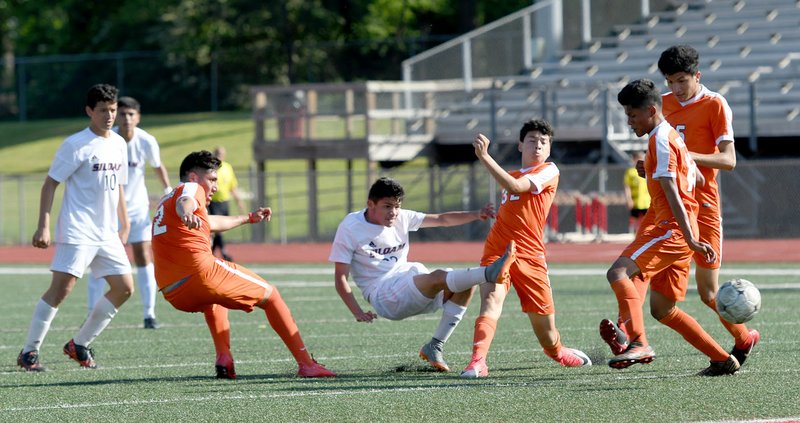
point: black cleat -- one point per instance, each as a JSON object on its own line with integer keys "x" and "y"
{"x": 30, "y": 361}
{"x": 150, "y": 323}
{"x": 84, "y": 356}
{"x": 721, "y": 368}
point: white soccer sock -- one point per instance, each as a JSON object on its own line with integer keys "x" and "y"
{"x": 96, "y": 286}
{"x": 146, "y": 277}
{"x": 452, "y": 314}
{"x": 43, "y": 315}
{"x": 460, "y": 280}
{"x": 98, "y": 319}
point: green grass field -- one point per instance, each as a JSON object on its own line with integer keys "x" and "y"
{"x": 167, "y": 374}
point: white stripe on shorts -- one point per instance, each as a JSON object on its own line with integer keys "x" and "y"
{"x": 256, "y": 281}
{"x": 650, "y": 243}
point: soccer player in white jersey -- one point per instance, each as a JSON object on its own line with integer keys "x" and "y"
{"x": 372, "y": 245}
{"x": 91, "y": 230}
{"x": 142, "y": 150}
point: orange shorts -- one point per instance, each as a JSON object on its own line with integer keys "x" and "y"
{"x": 227, "y": 284}
{"x": 664, "y": 259}
{"x": 532, "y": 283}
{"x": 710, "y": 230}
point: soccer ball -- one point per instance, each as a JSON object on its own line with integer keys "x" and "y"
{"x": 738, "y": 300}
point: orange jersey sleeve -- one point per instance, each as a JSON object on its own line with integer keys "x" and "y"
{"x": 667, "y": 157}
{"x": 177, "y": 250}
{"x": 522, "y": 217}
{"x": 703, "y": 122}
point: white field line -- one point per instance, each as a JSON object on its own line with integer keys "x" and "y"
{"x": 351, "y": 391}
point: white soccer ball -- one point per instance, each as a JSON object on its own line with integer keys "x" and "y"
{"x": 738, "y": 300}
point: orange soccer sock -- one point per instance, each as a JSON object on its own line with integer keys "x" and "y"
{"x": 740, "y": 333}
{"x": 630, "y": 309}
{"x": 687, "y": 326}
{"x": 555, "y": 349}
{"x": 281, "y": 320}
{"x": 641, "y": 286}
{"x": 485, "y": 328}
{"x": 220, "y": 328}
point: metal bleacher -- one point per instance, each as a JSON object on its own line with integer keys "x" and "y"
{"x": 749, "y": 52}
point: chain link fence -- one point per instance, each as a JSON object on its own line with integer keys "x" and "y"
{"x": 756, "y": 200}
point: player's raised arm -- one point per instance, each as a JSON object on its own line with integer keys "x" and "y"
{"x": 508, "y": 182}
{"x": 221, "y": 223}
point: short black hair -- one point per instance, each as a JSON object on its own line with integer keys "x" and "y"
{"x": 386, "y": 187}
{"x": 198, "y": 160}
{"x": 130, "y": 103}
{"x": 679, "y": 58}
{"x": 640, "y": 93}
{"x": 540, "y": 125}
{"x": 101, "y": 92}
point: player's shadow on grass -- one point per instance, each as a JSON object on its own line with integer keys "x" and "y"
{"x": 114, "y": 381}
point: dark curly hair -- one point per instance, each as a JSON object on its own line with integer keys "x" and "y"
{"x": 198, "y": 160}
{"x": 640, "y": 93}
{"x": 386, "y": 187}
{"x": 101, "y": 92}
{"x": 540, "y": 125}
{"x": 679, "y": 58}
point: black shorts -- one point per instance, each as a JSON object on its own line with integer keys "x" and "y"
{"x": 638, "y": 212}
{"x": 219, "y": 208}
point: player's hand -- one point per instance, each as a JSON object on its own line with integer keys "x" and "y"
{"x": 481, "y": 145}
{"x": 123, "y": 235}
{"x": 705, "y": 249}
{"x": 640, "y": 168}
{"x": 366, "y": 317}
{"x": 41, "y": 238}
{"x": 260, "y": 215}
{"x": 487, "y": 212}
{"x": 192, "y": 221}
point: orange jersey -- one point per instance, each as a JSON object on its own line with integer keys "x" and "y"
{"x": 522, "y": 217}
{"x": 703, "y": 122}
{"x": 667, "y": 156}
{"x": 177, "y": 250}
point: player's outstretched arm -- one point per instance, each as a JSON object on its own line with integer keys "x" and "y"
{"x": 41, "y": 238}
{"x": 223, "y": 223}
{"x": 341, "y": 270}
{"x": 456, "y": 218}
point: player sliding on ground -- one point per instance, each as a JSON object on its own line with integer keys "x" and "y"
{"x": 372, "y": 244}
{"x": 192, "y": 279}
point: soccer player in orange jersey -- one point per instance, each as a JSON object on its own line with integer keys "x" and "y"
{"x": 704, "y": 121}
{"x": 192, "y": 279}
{"x": 525, "y": 202}
{"x": 662, "y": 251}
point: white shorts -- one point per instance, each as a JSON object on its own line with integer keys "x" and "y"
{"x": 103, "y": 260}
{"x": 398, "y": 298}
{"x": 141, "y": 229}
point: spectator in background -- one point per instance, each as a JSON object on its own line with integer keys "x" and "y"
{"x": 226, "y": 188}
{"x": 142, "y": 150}
{"x": 636, "y": 196}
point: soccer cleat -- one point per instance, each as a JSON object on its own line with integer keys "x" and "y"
{"x": 497, "y": 272}
{"x": 84, "y": 356}
{"x": 432, "y": 353}
{"x": 721, "y": 368}
{"x": 614, "y": 336}
{"x": 224, "y": 367}
{"x": 635, "y": 353}
{"x": 475, "y": 369}
{"x": 150, "y": 323}
{"x": 569, "y": 357}
{"x": 741, "y": 354}
{"x": 30, "y": 361}
{"x": 313, "y": 369}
